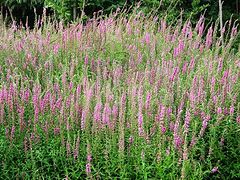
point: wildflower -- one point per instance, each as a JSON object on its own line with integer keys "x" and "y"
{"x": 12, "y": 132}
{"x": 147, "y": 38}
{"x": 140, "y": 124}
{"x": 168, "y": 151}
{"x": 177, "y": 141}
{"x": 68, "y": 148}
{"x": 231, "y": 111}
{"x": 56, "y": 131}
{"x": 209, "y": 37}
{"x": 56, "y": 48}
{"x": 214, "y": 170}
{"x": 86, "y": 60}
{"x": 238, "y": 119}
{"x": 204, "y": 124}
{"x": 148, "y": 99}
{"x": 187, "y": 121}
{"x": 97, "y": 112}
{"x": 76, "y": 151}
{"x": 131, "y": 139}
{"x": 88, "y": 168}
{"x": 163, "y": 129}
{"x": 219, "y": 110}
{"x": 89, "y": 157}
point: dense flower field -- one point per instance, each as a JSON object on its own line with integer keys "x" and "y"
{"x": 120, "y": 97}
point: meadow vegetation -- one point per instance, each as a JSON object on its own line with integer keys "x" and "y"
{"x": 124, "y": 96}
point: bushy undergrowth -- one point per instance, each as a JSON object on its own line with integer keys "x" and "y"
{"x": 119, "y": 98}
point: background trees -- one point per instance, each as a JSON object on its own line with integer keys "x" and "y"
{"x": 69, "y": 10}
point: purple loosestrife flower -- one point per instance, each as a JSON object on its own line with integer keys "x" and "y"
{"x": 140, "y": 124}
{"x": 231, "y": 110}
{"x": 225, "y": 76}
{"x": 129, "y": 29}
{"x": 171, "y": 126}
{"x": 148, "y": 100}
{"x": 175, "y": 52}
{"x": 181, "y": 45}
{"x": 68, "y": 101}
{"x": 1, "y": 106}
{"x": 64, "y": 79}
{"x": 131, "y": 139}
{"x": 220, "y": 65}
{"x": 185, "y": 153}
{"x": 184, "y": 68}
{"x": 68, "y": 148}
{"x": 168, "y": 151}
{"x": 115, "y": 111}
{"x": 214, "y": 170}
{"x": 219, "y": 110}
{"x": 59, "y": 103}
{"x": 238, "y": 120}
{"x": 213, "y": 81}
{"x": 89, "y": 159}
{"x": 36, "y": 95}
{"x": 21, "y": 111}
{"x": 209, "y": 37}
{"x": 222, "y": 141}
{"x": 86, "y": 60}
{"x": 12, "y": 132}
{"x": 26, "y": 95}
{"x": 185, "y": 27}
{"x": 140, "y": 57}
{"x": 56, "y": 88}
{"x": 7, "y": 133}
{"x": 200, "y": 26}
{"x": 56, "y": 131}
{"x": 83, "y": 119}
{"x": 76, "y": 150}
{"x": 97, "y": 112}
{"x": 70, "y": 85}
{"x": 106, "y": 114}
{"x": 56, "y": 48}
{"x": 147, "y": 38}
{"x": 169, "y": 112}
{"x": 79, "y": 89}
{"x": 193, "y": 141}
{"x": 25, "y": 143}
{"x": 177, "y": 141}
{"x": 140, "y": 98}
{"x": 88, "y": 168}
{"x": 192, "y": 98}
{"x": 163, "y": 130}
{"x": 187, "y": 121}
{"x": 206, "y": 118}
{"x": 192, "y": 64}
{"x": 234, "y": 32}
{"x": 175, "y": 73}
{"x": 36, "y": 115}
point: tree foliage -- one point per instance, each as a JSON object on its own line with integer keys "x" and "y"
{"x": 67, "y": 9}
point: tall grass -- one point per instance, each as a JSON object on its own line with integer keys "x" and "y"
{"x": 120, "y": 97}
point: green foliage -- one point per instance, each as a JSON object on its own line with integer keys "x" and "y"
{"x": 61, "y": 8}
{"x": 21, "y": 3}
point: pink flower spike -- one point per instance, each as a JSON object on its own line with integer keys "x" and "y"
{"x": 238, "y": 120}
{"x": 88, "y": 168}
{"x": 214, "y": 170}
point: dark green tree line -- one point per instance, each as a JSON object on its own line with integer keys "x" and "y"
{"x": 69, "y": 10}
